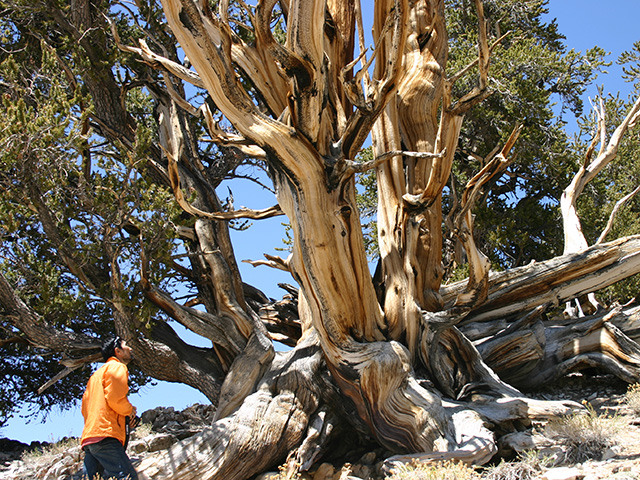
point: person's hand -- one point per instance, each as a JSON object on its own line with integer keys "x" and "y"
{"x": 134, "y": 422}
{"x": 134, "y": 412}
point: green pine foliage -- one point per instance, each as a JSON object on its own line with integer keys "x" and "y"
{"x": 53, "y": 204}
{"x": 531, "y": 71}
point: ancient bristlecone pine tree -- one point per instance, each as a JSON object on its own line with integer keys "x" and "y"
{"x": 375, "y": 361}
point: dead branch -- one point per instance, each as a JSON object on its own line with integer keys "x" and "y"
{"x": 271, "y": 261}
{"x": 553, "y": 281}
{"x": 223, "y": 138}
{"x": 356, "y": 167}
{"x": 619, "y": 204}
{"x": 71, "y": 364}
{"x": 495, "y": 167}
{"x": 155, "y": 60}
{"x": 479, "y": 92}
{"x": 174, "y": 177}
{"x": 360, "y": 124}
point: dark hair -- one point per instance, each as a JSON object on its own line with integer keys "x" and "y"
{"x": 109, "y": 347}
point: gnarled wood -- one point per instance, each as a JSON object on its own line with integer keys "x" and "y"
{"x": 422, "y": 369}
{"x": 260, "y": 434}
{"x": 554, "y": 281}
{"x": 538, "y": 354}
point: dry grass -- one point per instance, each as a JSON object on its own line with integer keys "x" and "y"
{"x": 528, "y": 467}
{"x": 434, "y": 471}
{"x": 49, "y": 452}
{"x": 586, "y": 435}
{"x": 141, "y": 431}
{"x": 632, "y": 398}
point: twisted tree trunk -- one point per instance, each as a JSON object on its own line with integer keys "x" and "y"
{"x": 408, "y": 364}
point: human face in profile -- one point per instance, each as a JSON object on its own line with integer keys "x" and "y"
{"x": 124, "y": 353}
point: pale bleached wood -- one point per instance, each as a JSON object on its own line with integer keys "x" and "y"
{"x": 534, "y": 355}
{"x": 475, "y": 444}
{"x": 245, "y": 372}
{"x": 619, "y": 204}
{"x": 574, "y": 239}
{"x": 554, "y": 281}
{"x": 259, "y": 435}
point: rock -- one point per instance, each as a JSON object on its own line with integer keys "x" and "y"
{"x": 161, "y": 442}
{"x": 153, "y": 443}
{"x": 345, "y": 473}
{"x": 609, "y": 453}
{"x": 60, "y": 468}
{"x": 324, "y": 472}
{"x": 183, "y": 424}
{"x": 137, "y": 447}
{"x": 562, "y": 473}
{"x": 362, "y": 471}
{"x": 368, "y": 458}
{"x": 12, "y": 450}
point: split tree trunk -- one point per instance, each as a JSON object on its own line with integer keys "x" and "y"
{"x": 398, "y": 368}
{"x": 369, "y": 349}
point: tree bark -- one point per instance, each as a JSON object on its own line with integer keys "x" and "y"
{"x": 539, "y": 353}
{"x": 271, "y": 422}
{"x": 513, "y": 292}
{"x": 427, "y": 371}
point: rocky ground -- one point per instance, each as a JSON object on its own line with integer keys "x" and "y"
{"x": 609, "y": 399}
{"x": 163, "y": 427}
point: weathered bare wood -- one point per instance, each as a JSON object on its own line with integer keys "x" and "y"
{"x": 574, "y": 239}
{"x": 359, "y": 352}
{"x": 409, "y": 232}
{"x": 619, "y": 204}
{"x": 202, "y": 323}
{"x": 553, "y": 281}
{"x": 245, "y": 372}
{"x": 71, "y": 365}
{"x": 476, "y": 445}
{"x": 534, "y": 356}
{"x": 390, "y": 35}
{"x": 268, "y": 425}
{"x": 628, "y": 320}
{"x": 479, "y": 264}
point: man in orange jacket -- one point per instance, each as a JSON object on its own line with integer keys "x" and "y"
{"x": 105, "y": 409}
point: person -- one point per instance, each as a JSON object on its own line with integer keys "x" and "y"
{"x": 106, "y": 408}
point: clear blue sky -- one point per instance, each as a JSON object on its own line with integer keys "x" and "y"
{"x": 611, "y": 25}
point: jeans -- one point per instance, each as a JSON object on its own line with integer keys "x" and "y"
{"x": 108, "y": 459}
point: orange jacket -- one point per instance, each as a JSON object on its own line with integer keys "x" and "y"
{"x": 105, "y": 404}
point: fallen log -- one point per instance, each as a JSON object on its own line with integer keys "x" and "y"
{"x": 542, "y": 351}
{"x": 514, "y": 292}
